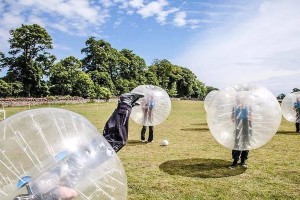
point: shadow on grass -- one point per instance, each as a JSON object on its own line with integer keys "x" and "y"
{"x": 287, "y": 133}
{"x": 135, "y": 142}
{"x": 200, "y": 168}
{"x": 200, "y": 124}
{"x": 194, "y": 129}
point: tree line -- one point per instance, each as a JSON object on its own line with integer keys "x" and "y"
{"x": 103, "y": 71}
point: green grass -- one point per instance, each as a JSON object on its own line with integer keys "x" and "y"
{"x": 194, "y": 165}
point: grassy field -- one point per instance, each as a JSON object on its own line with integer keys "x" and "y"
{"x": 194, "y": 165}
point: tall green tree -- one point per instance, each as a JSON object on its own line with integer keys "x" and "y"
{"x": 131, "y": 68}
{"x": 29, "y": 59}
{"x": 5, "y": 89}
{"x": 199, "y": 89}
{"x": 149, "y": 78}
{"x": 63, "y": 76}
{"x": 209, "y": 89}
{"x": 84, "y": 86}
{"x": 101, "y": 62}
{"x": 162, "y": 69}
{"x": 131, "y": 65}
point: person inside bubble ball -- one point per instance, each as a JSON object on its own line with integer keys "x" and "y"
{"x": 147, "y": 104}
{"x": 241, "y": 117}
{"x": 58, "y": 182}
{"x": 116, "y": 128}
{"x": 297, "y": 110}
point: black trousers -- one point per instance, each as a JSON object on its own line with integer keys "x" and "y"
{"x": 236, "y": 155}
{"x": 116, "y": 128}
{"x": 143, "y": 131}
{"x": 297, "y": 127}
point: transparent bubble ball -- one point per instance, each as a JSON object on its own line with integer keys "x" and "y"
{"x": 290, "y": 106}
{"x": 154, "y": 107}
{"x": 244, "y": 117}
{"x": 51, "y": 152}
{"x": 209, "y": 99}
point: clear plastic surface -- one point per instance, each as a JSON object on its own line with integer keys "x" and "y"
{"x": 154, "y": 107}
{"x": 290, "y": 106}
{"x": 244, "y": 117}
{"x": 52, "y": 153}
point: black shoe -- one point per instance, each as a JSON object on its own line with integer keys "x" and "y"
{"x": 131, "y": 98}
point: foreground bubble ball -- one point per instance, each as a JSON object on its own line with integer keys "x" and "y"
{"x": 290, "y": 106}
{"x": 209, "y": 99}
{"x": 244, "y": 117}
{"x": 51, "y": 153}
{"x": 154, "y": 107}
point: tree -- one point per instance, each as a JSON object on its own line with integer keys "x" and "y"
{"x": 103, "y": 79}
{"x": 162, "y": 70}
{"x": 5, "y": 90}
{"x": 173, "y": 90}
{"x": 209, "y": 89}
{"x": 84, "y": 86}
{"x": 63, "y": 76}
{"x": 149, "y": 78}
{"x": 187, "y": 83}
{"x": 131, "y": 66}
{"x": 29, "y": 61}
{"x": 102, "y": 93}
{"x": 101, "y": 62}
{"x": 199, "y": 89}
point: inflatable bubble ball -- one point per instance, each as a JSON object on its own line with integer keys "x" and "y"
{"x": 52, "y": 153}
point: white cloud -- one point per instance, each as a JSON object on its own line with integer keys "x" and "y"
{"x": 180, "y": 19}
{"x": 162, "y": 16}
{"x": 71, "y": 16}
{"x": 136, "y": 3}
{"x": 107, "y": 3}
{"x": 153, "y": 8}
{"x": 157, "y": 9}
{"x": 264, "y": 46}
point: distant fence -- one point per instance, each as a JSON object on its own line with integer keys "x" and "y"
{"x": 9, "y": 102}
{"x": 22, "y": 101}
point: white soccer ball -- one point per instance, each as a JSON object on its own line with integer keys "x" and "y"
{"x": 164, "y": 143}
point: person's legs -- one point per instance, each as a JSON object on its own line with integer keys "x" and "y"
{"x": 116, "y": 128}
{"x": 235, "y": 156}
{"x": 245, "y": 135}
{"x": 150, "y": 138}
{"x": 244, "y": 157}
{"x": 143, "y": 131}
{"x": 297, "y": 127}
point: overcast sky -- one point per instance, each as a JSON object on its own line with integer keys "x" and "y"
{"x": 223, "y": 42}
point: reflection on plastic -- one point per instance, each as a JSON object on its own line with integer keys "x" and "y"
{"x": 290, "y": 106}
{"x": 244, "y": 117}
{"x": 57, "y": 154}
{"x": 154, "y": 107}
